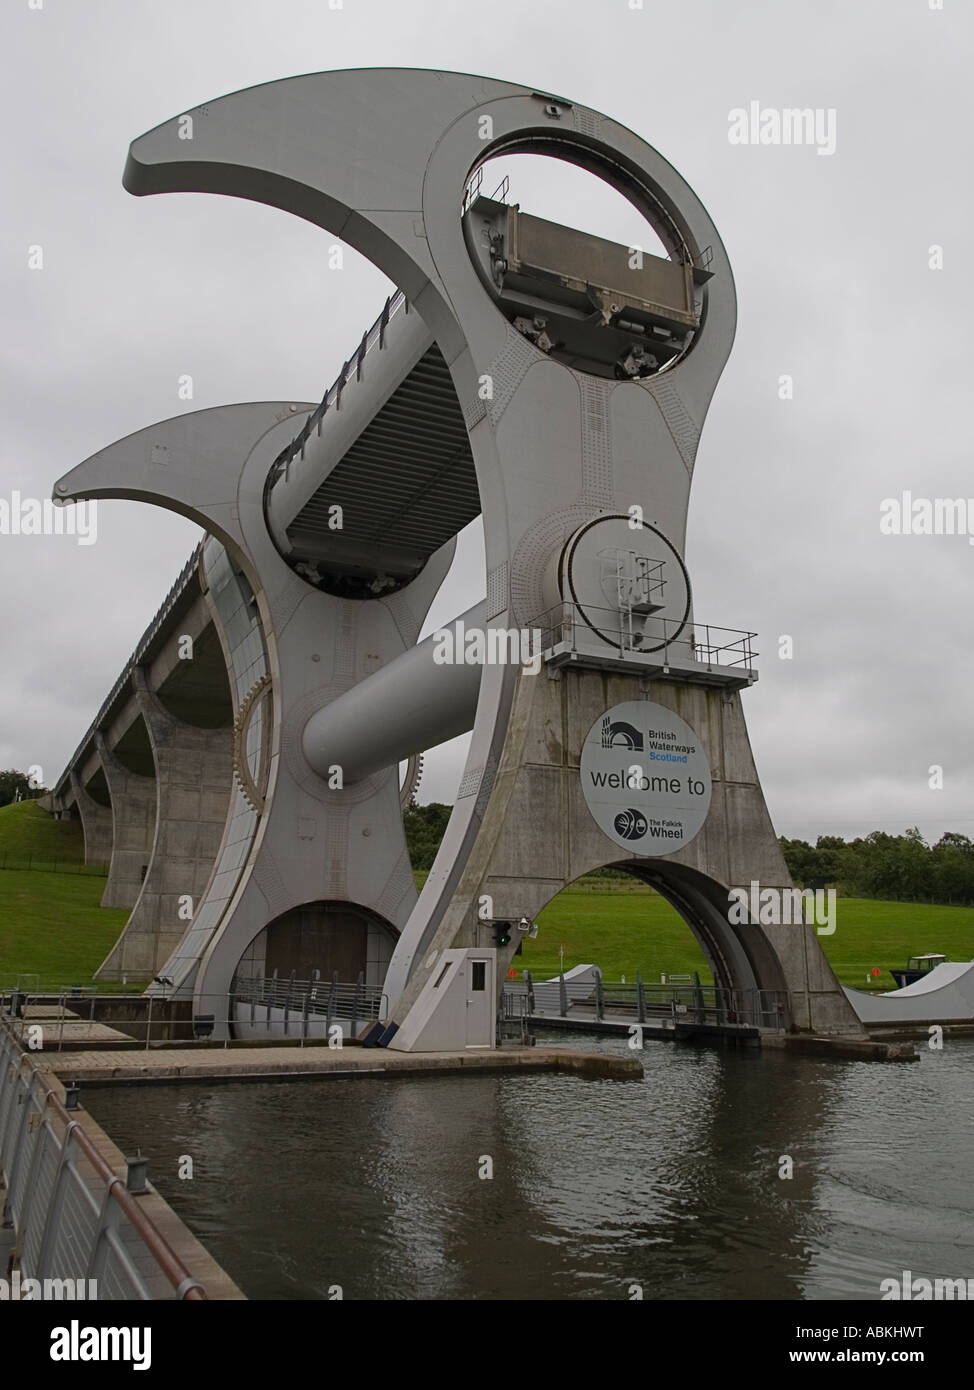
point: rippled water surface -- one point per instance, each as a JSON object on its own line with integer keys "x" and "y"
{"x": 671, "y": 1183}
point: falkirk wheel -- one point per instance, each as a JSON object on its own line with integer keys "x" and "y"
{"x": 554, "y": 382}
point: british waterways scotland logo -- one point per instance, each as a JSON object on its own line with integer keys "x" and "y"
{"x": 645, "y": 778}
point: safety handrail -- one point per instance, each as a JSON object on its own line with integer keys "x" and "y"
{"x": 705, "y": 643}
{"x": 372, "y": 336}
{"x": 182, "y": 1281}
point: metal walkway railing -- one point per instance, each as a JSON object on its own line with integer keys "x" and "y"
{"x": 73, "y": 1217}
{"x": 617, "y": 1001}
{"x": 301, "y": 1000}
{"x": 570, "y": 627}
{"x": 395, "y": 304}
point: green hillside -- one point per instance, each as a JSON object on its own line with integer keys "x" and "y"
{"x": 28, "y": 833}
{"x": 51, "y": 924}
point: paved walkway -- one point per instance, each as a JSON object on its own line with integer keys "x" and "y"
{"x": 176, "y": 1064}
{"x": 64, "y": 1027}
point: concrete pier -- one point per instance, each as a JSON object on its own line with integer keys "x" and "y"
{"x": 212, "y": 1062}
{"x": 192, "y": 790}
{"x": 96, "y": 823}
{"x": 133, "y": 828}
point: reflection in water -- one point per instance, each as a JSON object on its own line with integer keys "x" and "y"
{"x": 672, "y": 1184}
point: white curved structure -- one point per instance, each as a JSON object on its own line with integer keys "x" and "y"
{"x": 944, "y": 995}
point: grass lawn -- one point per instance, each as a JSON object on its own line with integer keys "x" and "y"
{"x": 619, "y": 929}
{"x": 870, "y": 933}
{"x": 51, "y": 925}
{"x": 625, "y": 927}
{"x": 626, "y": 932}
{"x": 29, "y": 835}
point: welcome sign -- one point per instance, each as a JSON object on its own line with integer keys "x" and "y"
{"x": 645, "y": 778}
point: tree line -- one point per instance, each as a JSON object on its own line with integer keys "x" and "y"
{"x": 899, "y": 868}
{"x": 16, "y": 786}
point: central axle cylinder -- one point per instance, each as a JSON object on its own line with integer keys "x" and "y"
{"x": 412, "y": 704}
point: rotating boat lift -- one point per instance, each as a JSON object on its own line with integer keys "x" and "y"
{"x": 556, "y": 383}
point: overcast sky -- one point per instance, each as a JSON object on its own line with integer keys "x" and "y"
{"x": 831, "y": 259}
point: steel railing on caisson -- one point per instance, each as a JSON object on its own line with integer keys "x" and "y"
{"x": 264, "y": 999}
{"x": 395, "y": 304}
{"x": 618, "y": 1001}
{"x": 570, "y": 626}
{"x": 72, "y": 1216}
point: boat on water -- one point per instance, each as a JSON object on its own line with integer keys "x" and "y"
{"x": 916, "y": 968}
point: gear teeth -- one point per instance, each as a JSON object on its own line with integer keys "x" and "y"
{"x": 241, "y": 768}
{"x": 410, "y": 786}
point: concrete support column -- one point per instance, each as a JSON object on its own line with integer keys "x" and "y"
{"x": 96, "y": 822}
{"x": 194, "y": 775}
{"x": 133, "y": 827}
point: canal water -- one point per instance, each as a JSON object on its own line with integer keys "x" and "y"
{"x": 671, "y": 1184}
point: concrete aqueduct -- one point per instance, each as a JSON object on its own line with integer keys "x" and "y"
{"x": 549, "y": 380}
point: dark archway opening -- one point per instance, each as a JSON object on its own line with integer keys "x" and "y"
{"x": 674, "y": 929}
{"x": 330, "y": 938}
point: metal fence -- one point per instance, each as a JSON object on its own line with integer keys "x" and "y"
{"x": 476, "y": 183}
{"x": 618, "y": 1001}
{"x": 28, "y": 1005}
{"x": 515, "y": 1015}
{"x": 269, "y": 1007}
{"x": 38, "y": 864}
{"x": 305, "y": 1002}
{"x": 568, "y": 627}
{"x": 73, "y": 1217}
